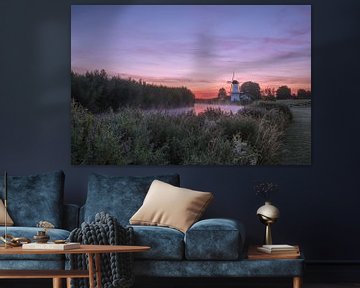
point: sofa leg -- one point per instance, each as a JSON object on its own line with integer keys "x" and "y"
{"x": 57, "y": 283}
{"x": 297, "y": 282}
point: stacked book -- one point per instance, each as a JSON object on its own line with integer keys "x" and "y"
{"x": 273, "y": 252}
{"x": 51, "y": 246}
{"x": 279, "y": 249}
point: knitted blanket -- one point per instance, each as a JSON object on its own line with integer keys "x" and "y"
{"x": 116, "y": 268}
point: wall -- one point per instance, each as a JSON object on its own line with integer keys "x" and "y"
{"x": 318, "y": 202}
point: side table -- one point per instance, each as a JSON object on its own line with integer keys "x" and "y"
{"x": 288, "y": 259}
{"x": 93, "y": 251}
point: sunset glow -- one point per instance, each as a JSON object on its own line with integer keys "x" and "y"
{"x": 195, "y": 46}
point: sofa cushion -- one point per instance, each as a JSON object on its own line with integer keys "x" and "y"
{"x": 170, "y": 206}
{"x": 119, "y": 196}
{"x": 35, "y": 198}
{"x": 165, "y": 243}
{"x": 9, "y": 221}
{"x": 29, "y": 232}
{"x": 214, "y": 239}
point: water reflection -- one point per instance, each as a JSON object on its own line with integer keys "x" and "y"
{"x": 200, "y": 108}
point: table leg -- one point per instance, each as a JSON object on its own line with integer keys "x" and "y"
{"x": 68, "y": 282}
{"x": 297, "y": 282}
{"x": 91, "y": 270}
{"x": 57, "y": 283}
{"x": 98, "y": 270}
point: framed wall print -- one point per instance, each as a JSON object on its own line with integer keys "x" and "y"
{"x": 191, "y": 84}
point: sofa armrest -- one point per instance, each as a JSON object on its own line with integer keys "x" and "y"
{"x": 71, "y": 216}
{"x": 82, "y": 214}
{"x": 215, "y": 239}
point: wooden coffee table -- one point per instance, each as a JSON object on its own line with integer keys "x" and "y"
{"x": 92, "y": 251}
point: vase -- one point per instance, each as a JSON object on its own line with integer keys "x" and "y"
{"x": 268, "y": 214}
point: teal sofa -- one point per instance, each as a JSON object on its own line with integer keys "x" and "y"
{"x": 210, "y": 248}
{"x": 32, "y": 199}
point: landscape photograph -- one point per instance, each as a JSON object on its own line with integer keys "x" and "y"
{"x": 191, "y": 85}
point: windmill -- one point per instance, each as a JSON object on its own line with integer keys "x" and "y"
{"x": 234, "y": 89}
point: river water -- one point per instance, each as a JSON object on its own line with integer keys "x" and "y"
{"x": 200, "y": 108}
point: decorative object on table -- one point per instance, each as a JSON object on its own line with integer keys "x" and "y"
{"x": 268, "y": 213}
{"x": 11, "y": 241}
{"x": 41, "y": 236}
{"x": 61, "y": 241}
{"x": 45, "y": 225}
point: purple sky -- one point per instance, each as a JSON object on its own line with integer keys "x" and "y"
{"x": 195, "y": 46}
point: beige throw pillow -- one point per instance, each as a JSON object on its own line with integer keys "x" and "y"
{"x": 9, "y": 221}
{"x": 170, "y": 206}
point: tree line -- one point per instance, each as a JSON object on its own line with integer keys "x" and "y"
{"x": 98, "y": 92}
{"x": 283, "y": 92}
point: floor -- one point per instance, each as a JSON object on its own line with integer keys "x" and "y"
{"x": 343, "y": 285}
{"x": 238, "y": 283}
{"x": 247, "y": 284}
{"x": 277, "y": 285}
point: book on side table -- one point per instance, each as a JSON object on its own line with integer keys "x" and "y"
{"x": 272, "y": 249}
{"x": 274, "y": 252}
{"x": 51, "y": 246}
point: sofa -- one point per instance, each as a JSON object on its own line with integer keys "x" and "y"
{"x": 32, "y": 199}
{"x": 209, "y": 248}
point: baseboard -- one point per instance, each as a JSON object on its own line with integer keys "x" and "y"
{"x": 332, "y": 271}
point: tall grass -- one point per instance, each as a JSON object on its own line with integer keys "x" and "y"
{"x": 253, "y": 136}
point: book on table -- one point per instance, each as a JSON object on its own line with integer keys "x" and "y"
{"x": 51, "y": 246}
{"x": 254, "y": 253}
{"x": 278, "y": 249}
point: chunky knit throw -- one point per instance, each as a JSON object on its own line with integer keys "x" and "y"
{"x": 116, "y": 268}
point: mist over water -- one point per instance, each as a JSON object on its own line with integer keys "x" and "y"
{"x": 200, "y": 108}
